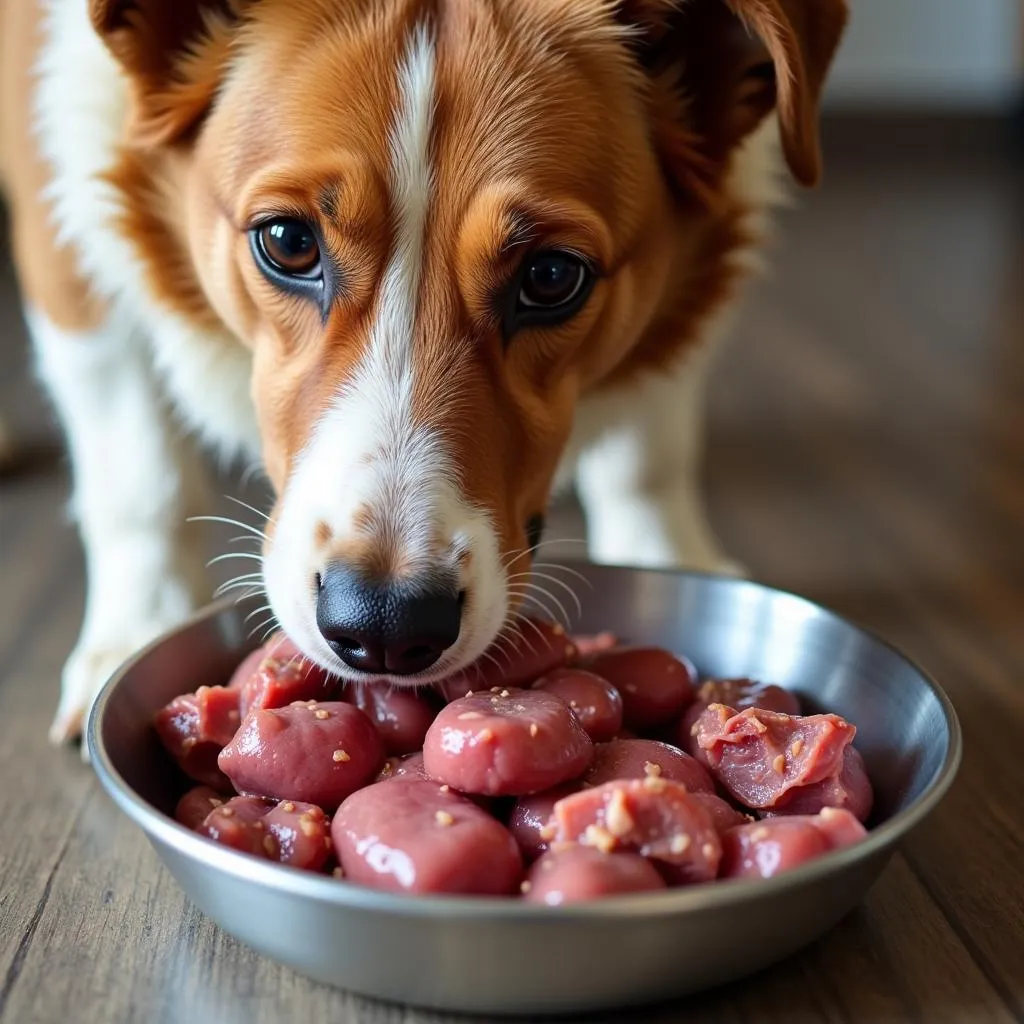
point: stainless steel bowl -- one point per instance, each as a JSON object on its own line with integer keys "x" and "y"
{"x": 505, "y": 957}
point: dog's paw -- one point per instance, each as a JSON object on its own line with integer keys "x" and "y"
{"x": 86, "y": 671}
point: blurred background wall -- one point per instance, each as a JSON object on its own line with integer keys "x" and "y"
{"x": 931, "y": 55}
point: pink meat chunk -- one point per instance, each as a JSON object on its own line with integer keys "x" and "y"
{"x": 506, "y": 743}
{"x": 767, "y": 848}
{"x": 748, "y": 693}
{"x": 759, "y": 756}
{"x": 402, "y": 717}
{"x": 850, "y": 789}
{"x": 195, "y": 805}
{"x": 314, "y": 753}
{"x": 396, "y": 767}
{"x": 594, "y": 701}
{"x": 219, "y": 715}
{"x": 415, "y": 836}
{"x": 738, "y": 694}
{"x": 638, "y": 759}
{"x": 518, "y": 660}
{"x": 572, "y": 873}
{"x": 239, "y": 823}
{"x": 282, "y": 678}
{"x": 656, "y": 818}
{"x": 530, "y": 821}
{"x": 723, "y": 815}
{"x": 656, "y": 686}
{"x": 303, "y": 834}
{"x": 179, "y": 730}
{"x": 594, "y": 643}
{"x": 247, "y": 668}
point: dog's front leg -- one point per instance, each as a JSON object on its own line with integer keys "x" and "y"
{"x": 638, "y": 473}
{"x": 134, "y": 481}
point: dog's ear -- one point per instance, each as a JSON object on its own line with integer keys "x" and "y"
{"x": 723, "y": 65}
{"x": 173, "y": 53}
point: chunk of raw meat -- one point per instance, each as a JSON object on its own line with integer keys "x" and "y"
{"x": 638, "y": 759}
{"x": 414, "y": 836}
{"x": 303, "y": 834}
{"x": 571, "y": 873}
{"x": 595, "y": 702}
{"x": 594, "y": 643}
{"x": 506, "y": 743}
{"x": 738, "y": 694}
{"x": 282, "y": 678}
{"x": 653, "y": 817}
{"x": 530, "y": 821}
{"x": 178, "y": 726}
{"x": 195, "y": 805}
{"x": 656, "y": 686}
{"x": 247, "y": 668}
{"x": 396, "y": 767}
{"x": 402, "y": 717}
{"x": 767, "y": 848}
{"x": 518, "y": 659}
{"x": 315, "y": 753}
{"x": 238, "y": 823}
{"x": 219, "y": 715}
{"x": 760, "y": 756}
{"x": 723, "y": 815}
{"x": 850, "y": 790}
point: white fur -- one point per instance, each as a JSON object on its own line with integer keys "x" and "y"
{"x": 130, "y": 499}
{"x": 636, "y": 452}
{"x": 80, "y": 108}
{"x": 134, "y": 474}
{"x": 368, "y": 451}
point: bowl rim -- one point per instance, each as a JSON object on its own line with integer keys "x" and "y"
{"x": 341, "y": 893}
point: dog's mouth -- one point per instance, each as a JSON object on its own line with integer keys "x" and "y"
{"x": 405, "y": 631}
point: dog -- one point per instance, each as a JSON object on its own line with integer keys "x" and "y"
{"x": 428, "y": 261}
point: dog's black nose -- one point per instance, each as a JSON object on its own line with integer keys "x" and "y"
{"x": 386, "y": 628}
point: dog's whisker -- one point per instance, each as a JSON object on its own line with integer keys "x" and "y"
{"x": 229, "y": 522}
{"x": 250, "y": 579}
{"x": 525, "y": 588}
{"x": 539, "y": 597}
{"x": 256, "y": 611}
{"x": 235, "y": 554}
{"x": 260, "y": 625}
{"x": 245, "y": 537}
{"x": 265, "y": 516}
{"x": 518, "y": 617}
{"x": 565, "y": 586}
{"x": 564, "y": 568}
{"x": 248, "y": 590}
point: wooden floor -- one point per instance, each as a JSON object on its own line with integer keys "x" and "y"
{"x": 866, "y": 449}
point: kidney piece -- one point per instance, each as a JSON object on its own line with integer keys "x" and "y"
{"x": 414, "y": 836}
{"x": 315, "y": 753}
{"x": 506, "y": 743}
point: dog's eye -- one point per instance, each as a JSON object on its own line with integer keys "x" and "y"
{"x": 551, "y": 281}
{"x": 289, "y": 247}
{"x": 550, "y": 288}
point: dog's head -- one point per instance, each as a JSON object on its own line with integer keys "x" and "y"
{"x": 437, "y": 223}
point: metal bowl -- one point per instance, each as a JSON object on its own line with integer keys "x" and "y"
{"x": 494, "y": 956}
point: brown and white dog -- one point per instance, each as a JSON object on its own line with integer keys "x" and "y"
{"x": 427, "y": 259}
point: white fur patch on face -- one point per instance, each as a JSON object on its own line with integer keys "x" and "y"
{"x": 368, "y": 453}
